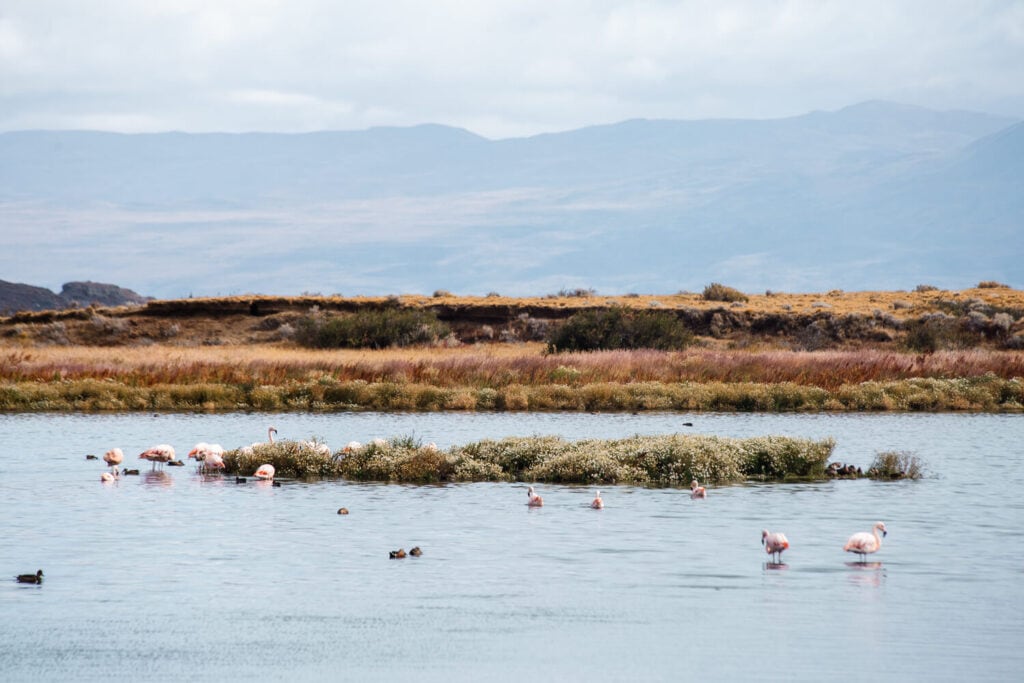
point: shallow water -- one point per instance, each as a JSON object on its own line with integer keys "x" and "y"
{"x": 180, "y": 576}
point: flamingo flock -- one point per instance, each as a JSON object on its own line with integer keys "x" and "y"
{"x": 209, "y": 458}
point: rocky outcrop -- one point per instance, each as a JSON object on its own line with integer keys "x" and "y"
{"x": 16, "y": 297}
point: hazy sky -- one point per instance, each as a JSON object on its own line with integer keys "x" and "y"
{"x": 500, "y": 67}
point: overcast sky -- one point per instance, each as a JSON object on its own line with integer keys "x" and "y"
{"x": 500, "y": 68}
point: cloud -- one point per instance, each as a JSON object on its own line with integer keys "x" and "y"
{"x": 507, "y": 67}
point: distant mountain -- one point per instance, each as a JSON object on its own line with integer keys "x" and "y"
{"x": 16, "y": 297}
{"x": 874, "y": 195}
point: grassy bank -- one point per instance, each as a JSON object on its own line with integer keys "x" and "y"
{"x": 648, "y": 460}
{"x": 987, "y": 393}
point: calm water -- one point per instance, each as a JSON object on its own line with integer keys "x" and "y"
{"x": 178, "y": 577}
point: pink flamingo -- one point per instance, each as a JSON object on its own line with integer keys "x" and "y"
{"x": 210, "y": 456}
{"x": 864, "y": 542}
{"x": 265, "y": 472}
{"x": 535, "y": 501}
{"x": 108, "y": 478}
{"x": 271, "y": 430}
{"x": 113, "y": 458}
{"x": 597, "y": 503}
{"x": 774, "y": 543}
{"x": 697, "y": 491}
{"x": 158, "y": 454}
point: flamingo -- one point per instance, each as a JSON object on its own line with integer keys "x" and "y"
{"x": 113, "y": 458}
{"x": 597, "y": 503}
{"x": 158, "y": 454}
{"x": 210, "y": 456}
{"x": 265, "y": 472}
{"x": 535, "y": 500}
{"x": 316, "y": 447}
{"x": 774, "y": 543}
{"x": 864, "y": 542}
{"x": 271, "y": 430}
{"x": 352, "y": 446}
{"x": 697, "y": 491}
{"x": 107, "y": 477}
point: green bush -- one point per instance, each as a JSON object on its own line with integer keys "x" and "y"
{"x": 719, "y": 292}
{"x": 620, "y": 328}
{"x": 391, "y": 326}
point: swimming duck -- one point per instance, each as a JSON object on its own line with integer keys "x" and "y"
{"x": 416, "y": 552}
{"x": 31, "y": 578}
{"x": 397, "y": 554}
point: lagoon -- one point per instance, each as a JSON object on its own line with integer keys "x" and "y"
{"x": 184, "y": 576}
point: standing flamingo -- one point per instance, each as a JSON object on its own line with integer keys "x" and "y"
{"x": 271, "y": 430}
{"x": 774, "y": 543}
{"x": 210, "y": 456}
{"x": 597, "y": 503}
{"x": 158, "y": 454}
{"x": 535, "y": 501}
{"x": 864, "y": 542}
{"x": 265, "y": 472}
{"x": 697, "y": 491}
{"x": 113, "y": 458}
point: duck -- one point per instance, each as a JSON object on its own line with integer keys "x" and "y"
{"x": 127, "y": 472}
{"x": 31, "y": 578}
{"x": 397, "y": 554}
{"x": 416, "y": 552}
{"x": 342, "y": 511}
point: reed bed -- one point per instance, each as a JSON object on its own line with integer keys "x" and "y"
{"x": 671, "y": 460}
{"x": 495, "y": 366}
{"x": 987, "y": 393}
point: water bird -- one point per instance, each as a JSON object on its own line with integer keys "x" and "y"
{"x": 113, "y": 458}
{"x": 774, "y": 543}
{"x": 271, "y": 430}
{"x": 352, "y": 447}
{"x": 687, "y": 424}
{"x": 534, "y": 500}
{"x": 316, "y": 447}
{"x": 175, "y": 463}
{"x": 158, "y": 454}
{"x": 697, "y": 491}
{"x": 127, "y": 472}
{"x": 416, "y": 552}
{"x": 342, "y": 511}
{"x": 108, "y": 477}
{"x": 397, "y": 554}
{"x": 864, "y": 542}
{"x": 597, "y": 503}
{"x": 209, "y": 456}
{"x": 265, "y": 472}
{"x": 240, "y": 480}
{"x": 31, "y": 578}
{"x": 90, "y": 456}
{"x": 276, "y": 484}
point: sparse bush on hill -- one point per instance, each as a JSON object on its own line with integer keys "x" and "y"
{"x": 719, "y": 292}
{"x": 992, "y": 284}
{"x": 620, "y": 328}
{"x": 925, "y": 288}
{"x": 369, "y": 329}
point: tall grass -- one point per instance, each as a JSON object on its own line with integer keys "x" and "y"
{"x": 671, "y": 460}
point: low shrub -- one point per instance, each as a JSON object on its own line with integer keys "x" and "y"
{"x": 392, "y": 326}
{"x": 620, "y": 328}
{"x": 896, "y": 465}
{"x": 719, "y": 292}
{"x": 992, "y": 284}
